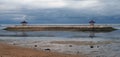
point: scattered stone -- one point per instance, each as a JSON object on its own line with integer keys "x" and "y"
{"x": 78, "y": 52}
{"x": 35, "y": 45}
{"x": 97, "y": 46}
{"x": 70, "y": 45}
{"x": 47, "y": 49}
{"x": 91, "y": 46}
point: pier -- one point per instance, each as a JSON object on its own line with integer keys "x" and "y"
{"x": 60, "y": 28}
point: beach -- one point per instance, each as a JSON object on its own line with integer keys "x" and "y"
{"x": 15, "y": 51}
{"x": 59, "y": 43}
{"x": 58, "y": 47}
{"x": 59, "y": 28}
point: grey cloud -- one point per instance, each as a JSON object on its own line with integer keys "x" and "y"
{"x": 66, "y": 8}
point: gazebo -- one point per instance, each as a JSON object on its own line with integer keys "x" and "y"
{"x": 24, "y": 23}
{"x": 92, "y": 22}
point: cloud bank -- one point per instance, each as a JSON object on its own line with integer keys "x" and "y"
{"x": 66, "y": 9}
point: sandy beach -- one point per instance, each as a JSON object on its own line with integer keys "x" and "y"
{"x": 15, "y": 51}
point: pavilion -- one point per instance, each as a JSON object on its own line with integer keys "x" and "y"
{"x": 92, "y": 22}
{"x": 24, "y": 23}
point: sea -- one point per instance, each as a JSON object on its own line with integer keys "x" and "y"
{"x": 99, "y": 44}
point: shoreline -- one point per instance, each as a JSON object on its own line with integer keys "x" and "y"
{"x": 7, "y": 50}
{"x": 59, "y": 48}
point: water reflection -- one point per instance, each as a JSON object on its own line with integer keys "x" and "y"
{"x": 92, "y": 35}
{"x": 23, "y": 34}
{"x": 66, "y": 34}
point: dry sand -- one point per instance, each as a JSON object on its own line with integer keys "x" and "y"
{"x": 15, "y": 51}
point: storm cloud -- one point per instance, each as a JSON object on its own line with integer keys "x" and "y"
{"x": 59, "y": 10}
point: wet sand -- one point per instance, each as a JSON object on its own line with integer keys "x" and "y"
{"x": 15, "y": 51}
{"x": 82, "y": 42}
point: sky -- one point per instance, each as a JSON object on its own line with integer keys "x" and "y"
{"x": 59, "y": 11}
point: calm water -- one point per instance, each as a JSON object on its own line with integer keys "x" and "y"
{"x": 43, "y": 39}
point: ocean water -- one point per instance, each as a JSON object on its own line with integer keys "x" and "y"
{"x": 111, "y": 47}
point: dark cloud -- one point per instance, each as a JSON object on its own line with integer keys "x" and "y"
{"x": 63, "y": 11}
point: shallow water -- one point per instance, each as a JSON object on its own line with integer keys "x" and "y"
{"x": 44, "y": 38}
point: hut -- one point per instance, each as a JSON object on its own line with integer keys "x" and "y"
{"x": 92, "y": 22}
{"x": 24, "y": 23}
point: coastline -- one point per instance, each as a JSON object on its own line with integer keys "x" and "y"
{"x": 59, "y": 48}
{"x": 7, "y": 50}
{"x": 83, "y": 45}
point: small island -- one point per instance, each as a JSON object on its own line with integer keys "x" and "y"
{"x": 90, "y": 27}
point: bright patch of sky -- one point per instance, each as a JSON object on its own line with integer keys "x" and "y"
{"x": 37, "y": 4}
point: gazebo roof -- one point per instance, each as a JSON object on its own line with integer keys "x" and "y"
{"x": 24, "y": 22}
{"x": 92, "y": 21}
